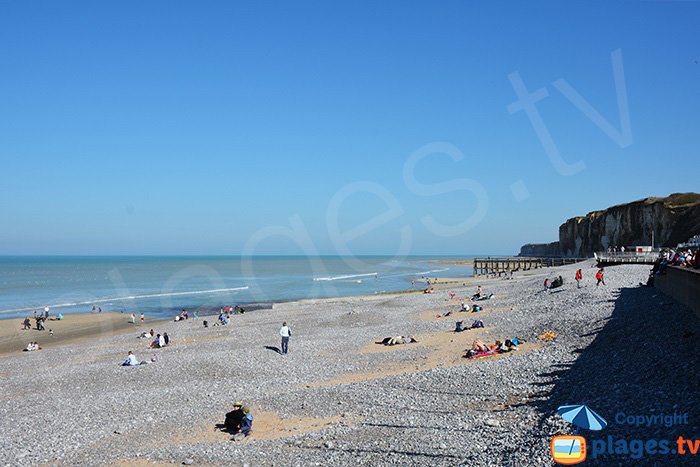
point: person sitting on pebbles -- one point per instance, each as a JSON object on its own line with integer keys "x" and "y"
{"x": 158, "y": 343}
{"x": 131, "y": 360}
{"x": 246, "y": 423}
{"x": 238, "y": 422}
{"x": 460, "y": 326}
{"x": 478, "y": 293}
{"x": 32, "y": 346}
{"x": 232, "y": 422}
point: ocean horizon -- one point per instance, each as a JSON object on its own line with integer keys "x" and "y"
{"x": 162, "y": 285}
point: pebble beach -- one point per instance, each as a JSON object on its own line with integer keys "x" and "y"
{"x": 340, "y": 399}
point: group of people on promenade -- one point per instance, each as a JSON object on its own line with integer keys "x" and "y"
{"x": 684, "y": 258}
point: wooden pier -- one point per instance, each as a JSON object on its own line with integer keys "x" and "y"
{"x": 506, "y": 265}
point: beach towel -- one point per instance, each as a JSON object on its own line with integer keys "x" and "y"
{"x": 480, "y": 354}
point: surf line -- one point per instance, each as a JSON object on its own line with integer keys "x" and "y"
{"x": 130, "y": 297}
{"x": 350, "y": 276}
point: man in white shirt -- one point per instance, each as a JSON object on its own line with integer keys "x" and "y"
{"x": 131, "y": 360}
{"x": 285, "y": 333}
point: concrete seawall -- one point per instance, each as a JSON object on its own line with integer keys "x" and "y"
{"x": 683, "y": 285}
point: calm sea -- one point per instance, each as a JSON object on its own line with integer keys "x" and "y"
{"x": 163, "y": 285}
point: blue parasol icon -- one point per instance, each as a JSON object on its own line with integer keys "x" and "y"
{"x": 582, "y": 417}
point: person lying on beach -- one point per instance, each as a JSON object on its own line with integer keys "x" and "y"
{"x": 459, "y": 326}
{"x": 428, "y": 290}
{"x": 480, "y": 346}
{"x": 398, "y": 340}
{"x": 509, "y": 345}
{"x": 480, "y": 349}
{"x": 477, "y": 324}
{"x": 465, "y": 307}
{"x": 131, "y": 360}
{"x": 484, "y": 297}
{"x": 145, "y": 335}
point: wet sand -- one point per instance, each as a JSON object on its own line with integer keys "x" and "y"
{"x": 72, "y": 329}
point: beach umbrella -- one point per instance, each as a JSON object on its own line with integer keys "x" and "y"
{"x": 582, "y": 417}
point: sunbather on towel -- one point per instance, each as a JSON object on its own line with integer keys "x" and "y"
{"x": 398, "y": 340}
{"x": 479, "y": 346}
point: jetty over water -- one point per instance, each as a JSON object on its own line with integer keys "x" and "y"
{"x": 505, "y": 265}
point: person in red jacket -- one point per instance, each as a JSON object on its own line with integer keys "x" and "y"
{"x": 579, "y": 278}
{"x": 599, "y": 277}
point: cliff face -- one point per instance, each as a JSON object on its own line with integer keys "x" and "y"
{"x": 673, "y": 219}
{"x": 539, "y": 250}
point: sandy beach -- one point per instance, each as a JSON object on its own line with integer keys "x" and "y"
{"x": 73, "y": 329}
{"x": 338, "y": 398}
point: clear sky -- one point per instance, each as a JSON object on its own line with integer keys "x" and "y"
{"x": 363, "y": 127}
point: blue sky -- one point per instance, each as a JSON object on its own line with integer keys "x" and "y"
{"x": 210, "y": 127}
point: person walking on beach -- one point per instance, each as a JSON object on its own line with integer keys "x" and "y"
{"x": 143, "y": 318}
{"x": 599, "y": 277}
{"x": 285, "y": 333}
{"x": 579, "y": 278}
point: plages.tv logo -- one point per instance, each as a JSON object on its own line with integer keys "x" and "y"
{"x": 569, "y": 450}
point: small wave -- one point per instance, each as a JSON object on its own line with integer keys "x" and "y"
{"x": 130, "y": 297}
{"x": 432, "y": 271}
{"x": 350, "y": 276}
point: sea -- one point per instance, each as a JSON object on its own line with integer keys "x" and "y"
{"x": 162, "y": 286}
